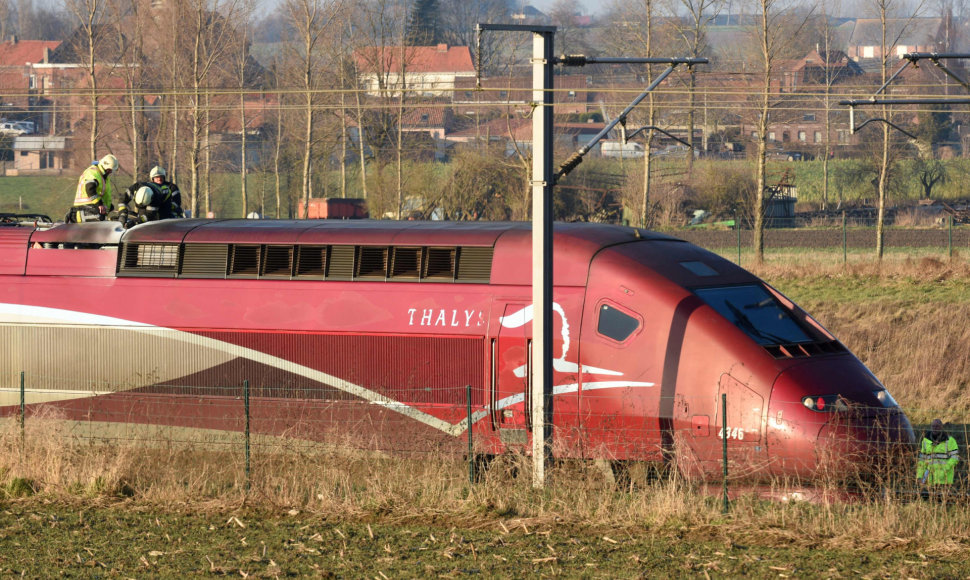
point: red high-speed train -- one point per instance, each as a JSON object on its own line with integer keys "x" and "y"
{"x": 371, "y": 332}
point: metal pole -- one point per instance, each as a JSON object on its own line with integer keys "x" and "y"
{"x": 737, "y": 227}
{"x": 246, "y": 406}
{"x": 845, "y": 243}
{"x": 949, "y": 236}
{"x": 23, "y": 413}
{"x": 471, "y": 451}
{"x": 724, "y": 439}
{"x": 543, "y": 60}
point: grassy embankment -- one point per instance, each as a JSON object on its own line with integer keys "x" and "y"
{"x": 78, "y": 506}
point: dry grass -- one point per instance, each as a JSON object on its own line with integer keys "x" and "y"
{"x": 917, "y": 347}
{"x": 347, "y": 484}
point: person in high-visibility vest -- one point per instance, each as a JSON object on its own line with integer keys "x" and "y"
{"x": 92, "y": 201}
{"x": 938, "y": 457}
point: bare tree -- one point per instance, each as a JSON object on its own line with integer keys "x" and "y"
{"x": 382, "y": 62}
{"x": 891, "y": 32}
{"x": 458, "y": 21}
{"x": 777, "y": 26}
{"x": 242, "y": 68}
{"x": 570, "y": 37}
{"x": 639, "y": 34}
{"x": 6, "y": 18}
{"x": 208, "y": 30}
{"x": 693, "y": 34}
{"x": 133, "y": 71}
{"x": 830, "y": 76}
{"x": 91, "y": 15}
{"x": 309, "y": 20}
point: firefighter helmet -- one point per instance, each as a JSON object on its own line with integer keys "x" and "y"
{"x": 108, "y": 163}
{"x": 143, "y": 197}
{"x": 157, "y": 171}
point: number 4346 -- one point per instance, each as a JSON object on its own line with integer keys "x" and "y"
{"x": 731, "y": 433}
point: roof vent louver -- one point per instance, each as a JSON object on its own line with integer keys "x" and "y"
{"x": 371, "y": 262}
{"x": 406, "y": 263}
{"x": 474, "y": 265}
{"x": 341, "y": 263}
{"x": 149, "y": 260}
{"x": 439, "y": 264}
{"x": 311, "y": 261}
{"x": 245, "y": 261}
{"x": 277, "y": 262}
{"x": 204, "y": 260}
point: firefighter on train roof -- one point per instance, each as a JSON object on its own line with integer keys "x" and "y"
{"x": 146, "y": 201}
{"x": 92, "y": 200}
{"x": 136, "y": 205}
{"x": 171, "y": 202}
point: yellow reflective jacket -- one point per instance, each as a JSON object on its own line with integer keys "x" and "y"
{"x": 103, "y": 188}
{"x": 937, "y": 461}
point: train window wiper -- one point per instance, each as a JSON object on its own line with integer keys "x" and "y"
{"x": 766, "y": 302}
{"x": 755, "y": 311}
{"x": 742, "y": 321}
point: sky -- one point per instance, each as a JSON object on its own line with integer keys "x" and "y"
{"x": 594, "y": 7}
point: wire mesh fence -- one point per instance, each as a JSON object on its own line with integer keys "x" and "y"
{"x": 853, "y": 241}
{"x": 248, "y": 432}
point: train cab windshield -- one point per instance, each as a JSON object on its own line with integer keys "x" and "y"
{"x": 756, "y": 312}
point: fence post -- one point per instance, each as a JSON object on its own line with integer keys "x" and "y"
{"x": 724, "y": 439}
{"x": 246, "y": 406}
{"x": 845, "y": 243}
{"x": 23, "y": 413}
{"x": 949, "y": 236}
{"x": 737, "y": 227}
{"x": 471, "y": 453}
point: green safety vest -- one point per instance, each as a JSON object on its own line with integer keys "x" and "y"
{"x": 939, "y": 459}
{"x": 92, "y": 173}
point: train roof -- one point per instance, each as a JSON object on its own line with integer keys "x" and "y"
{"x": 373, "y": 232}
{"x": 505, "y": 244}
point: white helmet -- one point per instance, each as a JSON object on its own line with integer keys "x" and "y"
{"x": 157, "y": 171}
{"x": 143, "y": 197}
{"x": 108, "y": 163}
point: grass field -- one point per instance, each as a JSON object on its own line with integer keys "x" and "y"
{"x": 127, "y": 539}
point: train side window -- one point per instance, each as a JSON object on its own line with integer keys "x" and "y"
{"x": 616, "y": 324}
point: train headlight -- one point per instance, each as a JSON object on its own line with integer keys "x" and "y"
{"x": 825, "y": 403}
{"x": 884, "y": 398}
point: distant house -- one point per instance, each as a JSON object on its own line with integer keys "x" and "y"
{"x": 903, "y": 34}
{"x": 423, "y": 71}
{"x": 20, "y": 85}
{"x": 33, "y": 154}
{"x": 529, "y": 15}
{"x": 816, "y": 67}
{"x": 431, "y": 120}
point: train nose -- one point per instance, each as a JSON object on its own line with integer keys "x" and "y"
{"x": 865, "y": 440}
{"x": 831, "y": 416}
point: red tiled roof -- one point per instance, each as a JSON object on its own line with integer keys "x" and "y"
{"x": 417, "y": 59}
{"x": 424, "y": 117}
{"x": 21, "y": 52}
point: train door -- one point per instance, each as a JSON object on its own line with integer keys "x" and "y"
{"x": 510, "y": 359}
{"x": 745, "y": 427}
